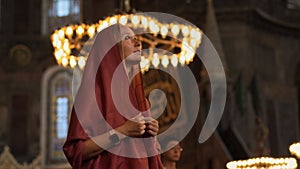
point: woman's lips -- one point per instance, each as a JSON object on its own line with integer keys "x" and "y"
{"x": 137, "y": 51}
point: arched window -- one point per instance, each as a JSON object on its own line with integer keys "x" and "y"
{"x": 58, "y": 13}
{"x": 60, "y": 95}
{"x": 56, "y": 107}
{"x": 64, "y": 8}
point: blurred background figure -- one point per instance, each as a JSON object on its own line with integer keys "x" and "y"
{"x": 172, "y": 155}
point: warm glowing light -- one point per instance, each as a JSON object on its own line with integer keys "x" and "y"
{"x": 193, "y": 43}
{"x": 185, "y": 31}
{"x": 165, "y": 61}
{"x": 81, "y": 62}
{"x": 153, "y": 27}
{"x": 112, "y": 20}
{"x": 66, "y": 46}
{"x": 91, "y": 31}
{"x": 164, "y": 31}
{"x": 145, "y": 64}
{"x": 182, "y": 59}
{"x": 61, "y": 34}
{"x": 72, "y": 61}
{"x": 263, "y": 163}
{"x": 155, "y": 61}
{"x": 80, "y": 30}
{"x": 64, "y": 61}
{"x": 135, "y": 20}
{"x": 123, "y": 20}
{"x": 69, "y": 31}
{"x": 295, "y": 149}
{"x": 174, "y": 60}
{"x": 175, "y": 30}
{"x": 144, "y": 22}
{"x": 59, "y": 54}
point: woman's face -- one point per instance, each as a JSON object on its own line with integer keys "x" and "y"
{"x": 131, "y": 46}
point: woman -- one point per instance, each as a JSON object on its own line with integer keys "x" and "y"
{"x": 100, "y": 135}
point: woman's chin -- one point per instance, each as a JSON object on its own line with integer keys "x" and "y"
{"x": 134, "y": 58}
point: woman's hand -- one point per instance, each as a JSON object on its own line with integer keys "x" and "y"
{"x": 152, "y": 126}
{"x": 138, "y": 125}
{"x": 134, "y": 127}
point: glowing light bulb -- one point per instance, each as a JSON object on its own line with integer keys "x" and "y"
{"x": 185, "y": 31}
{"x": 91, "y": 31}
{"x": 57, "y": 43}
{"x": 72, "y": 61}
{"x": 55, "y": 37}
{"x": 79, "y": 30}
{"x": 153, "y": 27}
{"x": 175, "y": 30}
{"x": 164, "y": 31}
{"x": 69, "y": 31}
{"x": 135, "y": 20}
{"x": 112, "y": 20}
{"x": 165, "y": 61}
{"x": 64, "y": 61}
{"x": 182, "y": 59}
{"x": 58, "y": 54}
{"x": 61, "y": 34}
{"x": 104, "y": 24}
{"x": 155, "y": 61}
{"x": 66, "y": 46}
{"x": 81, "y": 62}
{"x": 174, "y": 60}
{"x": 144, "y": 22}
{"x": 123, "y": 20}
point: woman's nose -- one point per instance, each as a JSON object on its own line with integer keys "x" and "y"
{"x": 137, "y": 43}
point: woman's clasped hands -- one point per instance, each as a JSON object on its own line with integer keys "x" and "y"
{"x": 139, "y": 125}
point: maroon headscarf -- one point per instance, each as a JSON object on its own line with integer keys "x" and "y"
{"x": 95, "y": 111}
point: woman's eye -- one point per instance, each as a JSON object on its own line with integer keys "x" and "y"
{"x": 127, "y": 37}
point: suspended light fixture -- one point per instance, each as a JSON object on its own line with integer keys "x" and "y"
{"x": 179, "y": 41}
{"x": 263, "y": 163}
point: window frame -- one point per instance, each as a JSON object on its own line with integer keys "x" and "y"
{"x": 47, "y": 131}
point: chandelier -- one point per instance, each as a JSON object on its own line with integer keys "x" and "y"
{"x": 179, "y": 41}
{"x": 295, "y": 149}
{"x": 263, "y": 163}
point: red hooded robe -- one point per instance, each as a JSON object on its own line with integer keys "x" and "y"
{"x": 94, "y": 111}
